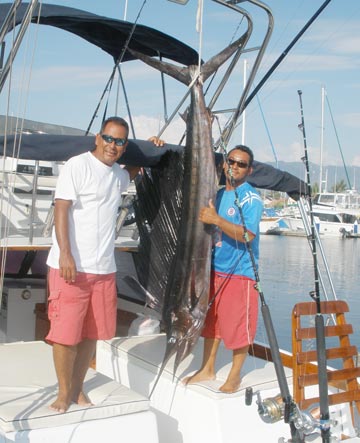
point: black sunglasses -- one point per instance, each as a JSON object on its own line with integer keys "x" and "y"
{"x": 110, "y": 139}
{"x": 239, "y": 164}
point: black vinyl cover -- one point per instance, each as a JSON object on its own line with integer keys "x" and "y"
{"x": 109, "y": 34}
{"x": 49, "y": 147}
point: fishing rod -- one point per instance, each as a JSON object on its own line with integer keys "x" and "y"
{"x": 315, "y": 295}
{"x": 291, "y": 412}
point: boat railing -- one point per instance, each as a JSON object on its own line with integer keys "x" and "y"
{"x": 25, "y": 182}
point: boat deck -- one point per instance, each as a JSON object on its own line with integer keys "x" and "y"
{"x": 28, "y": 386}
{"x": 200, "y": 412}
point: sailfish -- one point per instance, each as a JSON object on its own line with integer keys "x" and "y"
{"x": 175, "y": 246}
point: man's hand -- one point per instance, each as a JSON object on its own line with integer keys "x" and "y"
{"x": 208, "y": 214}
{"x": 67, "y": 267}
{"x": 134, "y": 170}
{"x": 157, "y": 141}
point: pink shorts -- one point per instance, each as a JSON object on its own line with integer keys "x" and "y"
{"x": 233, "y": 315}
{"x": 83, "y": 309}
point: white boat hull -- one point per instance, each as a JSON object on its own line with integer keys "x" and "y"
{"x": 200, "y": 412}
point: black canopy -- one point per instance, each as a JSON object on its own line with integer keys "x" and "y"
{"x": 111, "y": 35}
{"x": 108, "y": 34}
{"x": 49, "y": 147}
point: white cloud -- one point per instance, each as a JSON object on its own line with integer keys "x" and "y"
{"x": 336, "y": 36}
{"x": 146, "y": 126}
{"x": 356, "y": 161}
{"x": 315, "y": 62}
{"x": 347, "y": 45}
{"x": 54, "y": 77}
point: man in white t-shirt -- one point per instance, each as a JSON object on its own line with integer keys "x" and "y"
{"x": 82, "y": 285}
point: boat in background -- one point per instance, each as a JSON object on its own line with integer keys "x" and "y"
{"x": 271, "y": 221}
{"x": 335, "y": 215}
{"x": 348, "y": 200}
{"x": 328, "y": 222}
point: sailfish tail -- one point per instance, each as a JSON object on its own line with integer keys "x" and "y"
{"x": 219, "y": 59}
{"x": 183, "y": 74}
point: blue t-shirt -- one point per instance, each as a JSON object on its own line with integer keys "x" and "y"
{"x": 231, "y": 256}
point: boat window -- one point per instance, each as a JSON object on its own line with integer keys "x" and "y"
{"x": 348, "y": 218}
{"x": 353, "y": 201}
{"x": 38, "y": 191}
{"x": 327, "y": 217}
{"x": 326, "y": 199}
{"x": 340, "y": 200}
{"x": 29, "y": 169}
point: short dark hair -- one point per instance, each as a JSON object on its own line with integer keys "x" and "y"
{"x": 246, "y": 149}
{"x": 118, "y": 121}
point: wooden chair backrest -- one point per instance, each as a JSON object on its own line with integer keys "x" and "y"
{"x": 304, "y": 370}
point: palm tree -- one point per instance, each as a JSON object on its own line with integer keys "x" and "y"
{"x": 315, "y": 189}
{"x": 339, "y": 186}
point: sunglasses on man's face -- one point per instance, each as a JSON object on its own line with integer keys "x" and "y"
{"x": 109, "y": 139}
{"x": 239, "y": 164}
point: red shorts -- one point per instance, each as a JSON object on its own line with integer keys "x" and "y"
{"x": 83, "y": 309}
{"x": 233, "y": 315}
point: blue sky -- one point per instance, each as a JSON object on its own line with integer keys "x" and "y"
{"x": 59, "y": 78}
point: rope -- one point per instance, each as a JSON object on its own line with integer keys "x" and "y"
{"x": 110, "y": 81}
{"x": 15, "y": 154}
{"x": 267, "y": 130}
{"x": 338, "y": 141}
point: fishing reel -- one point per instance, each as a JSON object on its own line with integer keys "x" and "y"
{"x": 273, "y": 409}
{"x": 270, "y": 409}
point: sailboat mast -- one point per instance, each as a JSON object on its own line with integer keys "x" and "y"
{"x": 244, "y": 113}
{"x": 321, "y": 140}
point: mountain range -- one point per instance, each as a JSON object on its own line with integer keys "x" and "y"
{"x": 330, "y": 174}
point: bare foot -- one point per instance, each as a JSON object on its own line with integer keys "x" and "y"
{"x": 61, "y": 404}
{"x": 83, "y": 400}
{"x": 230, "y": 386}
{"x": 198, "y": 377}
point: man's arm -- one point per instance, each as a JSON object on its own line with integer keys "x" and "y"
{"x": 209, "y": 215}
{"x": 134, "y": 170}
{"x": 66, "y": 261}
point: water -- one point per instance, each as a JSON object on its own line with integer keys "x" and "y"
{"x": 287, "y": 277}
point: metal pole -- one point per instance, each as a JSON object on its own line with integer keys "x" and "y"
{"x": 33, "y": 202}
{"x": 244, "y": 113}
{"x": 25, "y": 23}
{"x": 321, "y": 138}
{"x": 319, "y": 319}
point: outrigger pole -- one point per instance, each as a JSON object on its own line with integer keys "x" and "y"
{"x": 315, "y": 295}
{"x": 285, "y": 52}
{"x": 245, "y": 100}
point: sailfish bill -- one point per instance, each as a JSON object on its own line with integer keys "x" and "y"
{"x": 185, "y": 297}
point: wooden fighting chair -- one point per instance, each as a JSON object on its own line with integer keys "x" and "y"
{"x": 305, "y": 371}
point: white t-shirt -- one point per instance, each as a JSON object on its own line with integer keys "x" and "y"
{"x": 95, "y": 190}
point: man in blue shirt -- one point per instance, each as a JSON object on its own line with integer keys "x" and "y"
{"x": 232, "y": 316}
